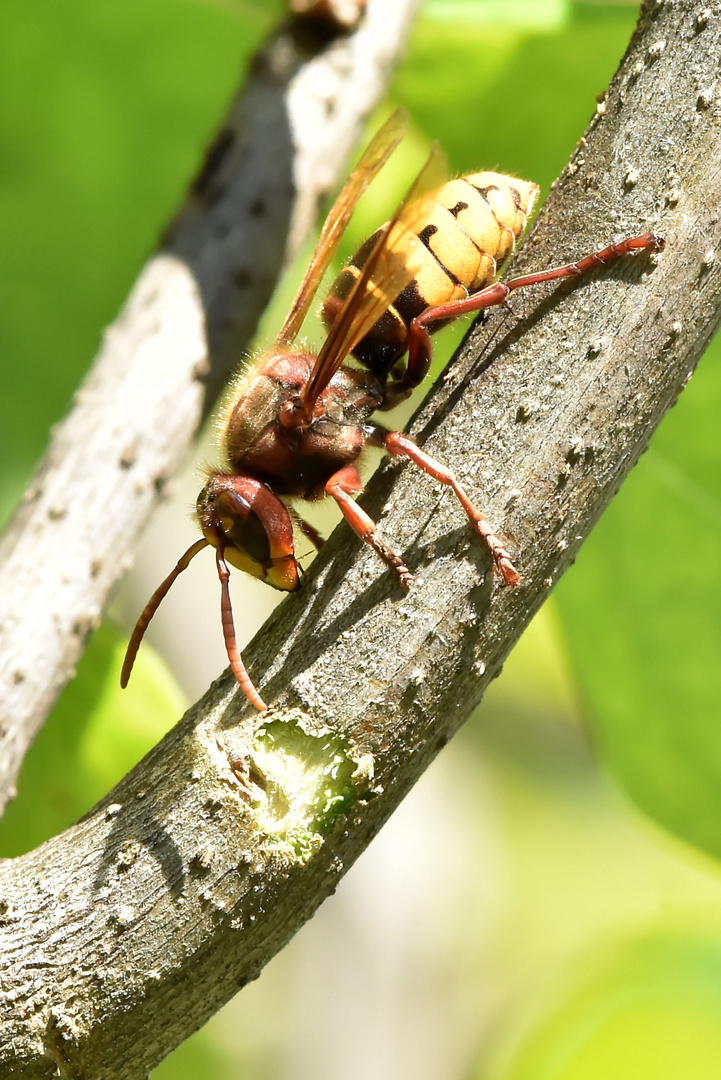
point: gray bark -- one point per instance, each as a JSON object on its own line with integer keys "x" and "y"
{"x": 282, "y": 147}
{"x": 129, "y": 930}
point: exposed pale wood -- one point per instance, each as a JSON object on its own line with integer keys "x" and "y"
{"x": 122, "y": 935}
{"x": 283, "y": 147}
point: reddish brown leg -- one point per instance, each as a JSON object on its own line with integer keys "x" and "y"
{"x": 152, "y": 606}
{"x": 401, "y": 446}
{"x": 419, "y": 342}
{"x": 341, "y": 486}
{"x": 231, "y": 646}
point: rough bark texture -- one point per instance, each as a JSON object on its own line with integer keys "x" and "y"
{"x": 125, "y": 933}
{"x": 282, "y": 147}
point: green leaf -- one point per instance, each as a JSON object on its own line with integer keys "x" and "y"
{"x": 649, "y": 1011}
{"x": 498, "y": 97}
{"x": 642, "y": 618}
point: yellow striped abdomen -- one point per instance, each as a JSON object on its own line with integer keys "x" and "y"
{"x": 471, "y": 227}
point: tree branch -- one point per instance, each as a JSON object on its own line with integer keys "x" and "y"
{"x": 129, "y": 930}
{"x": 281, "y": 149}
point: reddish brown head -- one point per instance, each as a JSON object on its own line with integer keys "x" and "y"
{"x": 253, "y": 526}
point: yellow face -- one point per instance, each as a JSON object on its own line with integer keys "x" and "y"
{"x": 281, "y": 572}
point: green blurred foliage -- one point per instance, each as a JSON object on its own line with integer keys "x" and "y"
{"x": 642, "y": 618}
{"x": 648, "y": 1011}
{"x": 512, "y": 99}
{"x": 107, "y": 108}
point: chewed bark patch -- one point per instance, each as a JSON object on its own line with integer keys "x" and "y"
{"x": 299, "y": 781}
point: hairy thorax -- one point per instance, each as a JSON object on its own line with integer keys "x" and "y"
{"x": 298, "y": 460}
